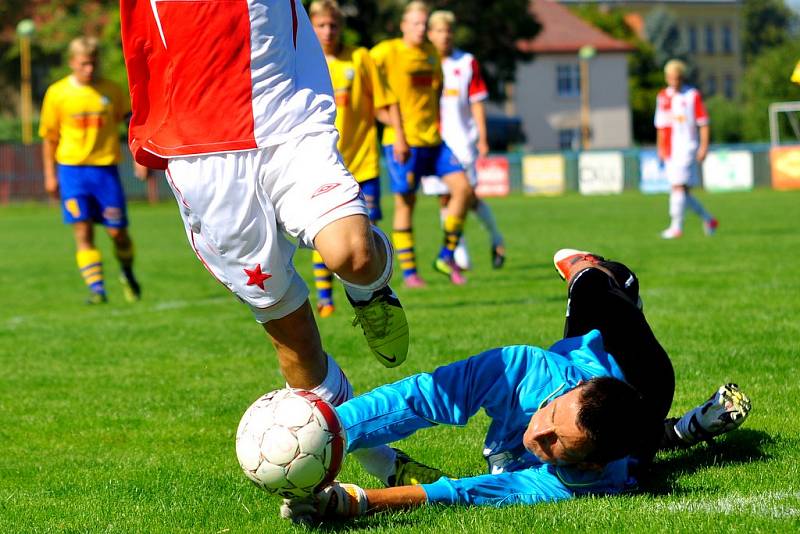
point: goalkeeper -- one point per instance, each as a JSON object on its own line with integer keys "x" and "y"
{"x": 560, "y": 417}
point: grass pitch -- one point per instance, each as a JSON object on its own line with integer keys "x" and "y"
{"x": 121, "y": 418}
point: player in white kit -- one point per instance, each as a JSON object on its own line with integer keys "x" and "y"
{"x": 463, "y": 123}
{"x": 682, "y": 137}
{"x": 234, "y": 100}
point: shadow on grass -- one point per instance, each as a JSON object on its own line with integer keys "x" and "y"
{"x": 744, "y": 446}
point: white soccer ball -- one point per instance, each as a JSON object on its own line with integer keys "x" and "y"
{"x": 290, "y": 442}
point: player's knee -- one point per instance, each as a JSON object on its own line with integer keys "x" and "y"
{"x": 354, "y": 255}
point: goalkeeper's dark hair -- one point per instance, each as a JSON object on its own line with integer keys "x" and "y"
{"x": 615, "y": 418}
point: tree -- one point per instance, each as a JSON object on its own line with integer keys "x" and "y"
{"x": 663, "y": 33}
{"x": 490, "y": 30}
{"x": 766, "y": 80}
{"x": 767, "y": 24}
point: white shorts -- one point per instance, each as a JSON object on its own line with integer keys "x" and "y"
{"x": 238, "y": 208}
{"x": 682, "y": 172}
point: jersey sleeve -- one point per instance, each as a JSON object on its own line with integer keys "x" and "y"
{"x": 700, "y": 113}
{"x": 477, "y": 86}
{"x": 662, "y": 117}
{"x": 530, "y": 486}
{"x": 450, "y": 395}
{"x": 49, "y": 120}
{"x": 382, "y": 96}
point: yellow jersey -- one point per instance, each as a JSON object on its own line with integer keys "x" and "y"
{"x": 83, "y": 119}
{"x": 796, "y": 74}
{"x": 415, "y": 77}
{"x": 359, "y": 90}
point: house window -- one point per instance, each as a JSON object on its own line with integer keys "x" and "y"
{"x": 727, "y": 39}
{"x": 711, "y": 85}
{"x": 710, "y": 45}
{"x": 728, "y": 86}
{"x": 568, "y": 139}
{"x": 691, "y": 33}
{"x": 568, "y": 80}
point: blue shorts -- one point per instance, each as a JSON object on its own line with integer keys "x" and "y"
{"x": 372, "y": 195}
{"x": 92, "y": 193}
{"x": 436, "y": 160}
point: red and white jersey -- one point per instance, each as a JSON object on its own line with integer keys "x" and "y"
{"x": 463, "y": 85}
{"x": 210, "y": 76}
{"x": 679, "y": 113}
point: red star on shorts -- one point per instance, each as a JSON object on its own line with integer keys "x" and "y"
{"x": 256, "y": 277}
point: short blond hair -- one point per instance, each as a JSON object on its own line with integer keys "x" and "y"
{"x": 83, "y": 46}
{"x": 326, "y": 7}
{"x": 416, "y": 5}
{"x": 442, "y": 16}
{"x": 677, "y": 66}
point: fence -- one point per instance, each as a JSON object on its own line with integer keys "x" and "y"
{"x": 728, "y": 167}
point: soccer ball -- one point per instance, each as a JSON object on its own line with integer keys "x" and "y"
{"x": 290, "y": 442}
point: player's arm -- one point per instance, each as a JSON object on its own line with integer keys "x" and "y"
{"x": 49, "y": 131}
{"x": 390, "y": 116}
{"x": 387, "y": 110}
{"x": 660, "y": 144}
{"x": 701, "y": 117}
{"x": 49, "y": 147}
{"x": 479, "y": 114}
{"x": 705, "y": 138}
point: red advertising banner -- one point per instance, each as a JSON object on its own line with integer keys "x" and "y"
{"x": 494, "y": 177}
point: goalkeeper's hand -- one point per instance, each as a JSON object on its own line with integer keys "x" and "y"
{"x": 334, "y": 501}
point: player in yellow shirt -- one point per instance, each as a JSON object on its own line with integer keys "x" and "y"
{"x": 414, "y": 73}
{"x": 81, "y": 150}
{"x": 361, "y": 94}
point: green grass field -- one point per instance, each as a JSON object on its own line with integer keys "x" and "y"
{"x": 121, "y": 418}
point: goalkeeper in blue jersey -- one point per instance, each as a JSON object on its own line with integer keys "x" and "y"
{"x": 577, "y": 418}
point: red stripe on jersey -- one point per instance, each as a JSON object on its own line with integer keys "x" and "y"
{"x": 294, "y": 23}
{"x": 700, "y": 113}
{"x": 477, "y": 87}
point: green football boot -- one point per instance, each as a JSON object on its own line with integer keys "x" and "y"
{"x": 130, "y": 288}
{"x": 384, "y": 324}
{"x": 409, "y": 472}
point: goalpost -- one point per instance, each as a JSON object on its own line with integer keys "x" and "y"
{"x": 791, "y": 110}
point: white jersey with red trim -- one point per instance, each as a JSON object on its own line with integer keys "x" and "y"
{"x": 463, "y": 85}
{"x": 679, "y": 113}
{"x": 209, "y": 76}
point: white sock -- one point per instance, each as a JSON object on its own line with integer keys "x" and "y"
{"x": 695, "y": 205}
{"x": 485, "y": 215}
{"x": 363, "y": 293}
{"x": 336, "y": 389}
{"x": 677, "y": 206}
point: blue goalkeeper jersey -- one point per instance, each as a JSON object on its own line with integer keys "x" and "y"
{"x": 510, "y": 384}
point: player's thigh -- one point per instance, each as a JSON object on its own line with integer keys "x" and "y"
{"x": 682, "y": 172}
{"x": 310, "y": 187}
{"x": 232, "y": 228}
{"x": 403, "y": 177}
{"x": 75, "y": 189}
{"x": 109, "y": 197}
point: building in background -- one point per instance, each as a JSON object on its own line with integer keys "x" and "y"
{"x": 546, "y": 94}
{"x": 710, "y": 28}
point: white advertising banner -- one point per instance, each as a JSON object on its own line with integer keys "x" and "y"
{"x": 601, "y": 173}
{"x": 728, "y": 170}
{"x": 543, "y": 175}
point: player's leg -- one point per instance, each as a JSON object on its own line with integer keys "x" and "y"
{"x": 461, "y": 198}
{"x": 710, "y": 223}
{"x": 604, "y": 295}
{"x": 323, "y": 281}
{"x": 317, "y": 201}
{"x": 486, "y": 217}
{"x": 79, "y": 209}
{"x": 403, "y": 182}
{"x": 110, "y": 198}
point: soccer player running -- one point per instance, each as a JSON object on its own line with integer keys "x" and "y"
{"x": 412, "y": 68}
{"x": 81, "y": 150}
{"x": 360, "y": 94}
{"x": 680, "y": 114}
{"x": 234, "y": 100}
{"x": 463, "y": 123}
{"x": 578, "y": 418}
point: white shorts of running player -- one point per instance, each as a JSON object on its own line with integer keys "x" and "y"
{"x": 238, "y": 208}
{"x": 435, "y": 186}
{"x": 683, "y": 171}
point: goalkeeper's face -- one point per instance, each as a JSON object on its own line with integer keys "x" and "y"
{"x": 553, "y": 433}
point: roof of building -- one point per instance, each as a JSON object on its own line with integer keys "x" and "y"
{"x": 564, "y": 32}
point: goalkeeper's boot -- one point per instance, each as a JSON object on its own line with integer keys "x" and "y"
{"x": 450, "y": 270}
{"x": 409, "y": 472}
{"x": 130, "y": 287}
{"x": 726, "y": 410}
{"x": 565, "y": 258}
{"x": 384, "y": 324}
